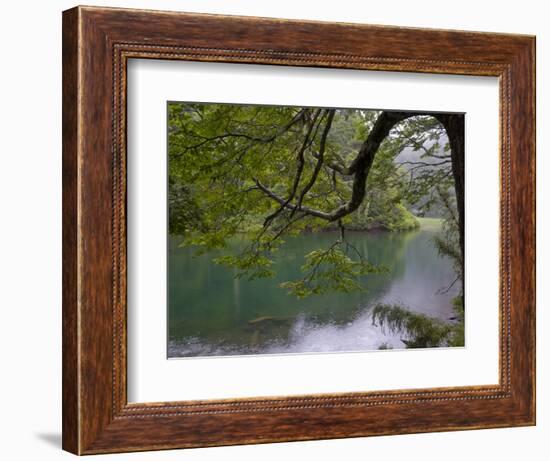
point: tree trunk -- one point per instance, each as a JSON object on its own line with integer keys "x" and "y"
{"x": 454, "y": 127}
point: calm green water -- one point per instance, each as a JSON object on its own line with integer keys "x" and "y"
{"x": 210, "y": 312}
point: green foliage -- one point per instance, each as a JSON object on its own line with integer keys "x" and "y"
{"x": 382, "y": 209}
{"x": 421, "y": 331}
{"x": 398, "y": 218}
{"x": 424, "y": 156}
{"x": 385, "y": 203}
{"x": 456, "y": 339}
{"x": 330, "y": 270}
{"x": 184, "y": 214}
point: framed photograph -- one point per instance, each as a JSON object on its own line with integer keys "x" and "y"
{"x": 282, "y": 230}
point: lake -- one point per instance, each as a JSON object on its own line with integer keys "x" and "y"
{"x": 212, "y": 313}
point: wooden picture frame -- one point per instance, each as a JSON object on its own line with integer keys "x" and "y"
{"x": 97, "y": 43}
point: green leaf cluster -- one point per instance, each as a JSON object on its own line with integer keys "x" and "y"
{"x": 420, "y": 330}
{"x": 330, "y": 270}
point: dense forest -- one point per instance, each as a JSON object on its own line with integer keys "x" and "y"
{"x": 269, "y": 173}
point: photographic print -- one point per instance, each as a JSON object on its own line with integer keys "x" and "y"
{"x": 312, "y": 229}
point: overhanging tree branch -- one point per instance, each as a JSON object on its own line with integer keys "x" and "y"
{"x": 308, "y": 139}
{"x": 290, "y": 206}
{"x": 360, "y": 169}
{"x": 320, "y": 157}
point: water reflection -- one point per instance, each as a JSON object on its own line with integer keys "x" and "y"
{"x": 213, "y": 313}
